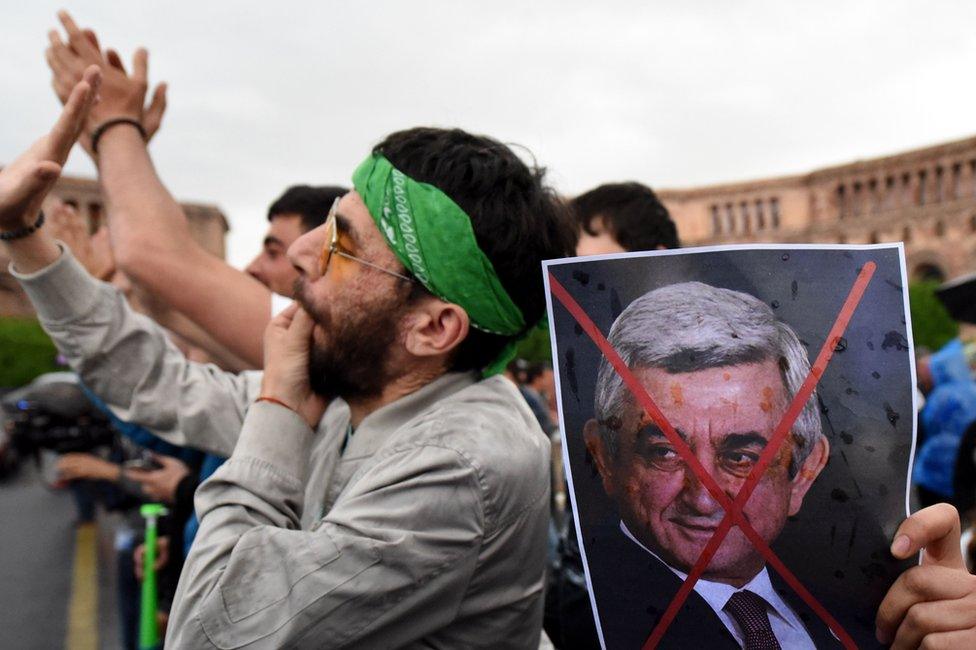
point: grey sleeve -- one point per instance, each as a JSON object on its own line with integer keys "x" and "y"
{"x": 390, "y": 563}
{"x": 127, "y": 360}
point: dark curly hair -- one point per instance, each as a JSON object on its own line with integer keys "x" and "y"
{"x": 311, "y": 203}
{"x": 518, "y": 221}
{"x": 631, "y": 213}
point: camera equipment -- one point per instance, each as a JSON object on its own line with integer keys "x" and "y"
{"x": 54, "y": 413}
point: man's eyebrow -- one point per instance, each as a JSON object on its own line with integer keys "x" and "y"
{"x": 271, "y": 240}
{"x": 735, "y": 440}
{"x": 344, "y": 226}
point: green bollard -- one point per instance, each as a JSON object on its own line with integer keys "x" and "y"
{"x": 148, "y": 630}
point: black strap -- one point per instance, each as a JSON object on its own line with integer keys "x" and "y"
{"x": 108, "y": 124}
{"x": 23, "y": 231}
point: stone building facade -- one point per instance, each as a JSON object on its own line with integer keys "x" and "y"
{"x": 925, "y": 198}
{"x": 208, "y": 225}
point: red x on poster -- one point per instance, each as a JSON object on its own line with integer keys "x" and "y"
{"x": 742, "y": 420}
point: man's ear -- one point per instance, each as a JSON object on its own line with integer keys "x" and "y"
{"x": 808, "y": 473}
{"x": 597, "y": 446}
{"x": 435, "y": 328}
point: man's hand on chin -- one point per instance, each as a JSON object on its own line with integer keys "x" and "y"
{"x": 932, "y": 605}
{"x": 287, "y": 343}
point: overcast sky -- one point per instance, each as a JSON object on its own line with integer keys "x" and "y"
{"x": 669, "y": 93}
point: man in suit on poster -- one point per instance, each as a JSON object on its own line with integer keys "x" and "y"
{"x": 723, "y": 371}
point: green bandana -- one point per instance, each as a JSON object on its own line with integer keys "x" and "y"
{"x": 433, "y": 238}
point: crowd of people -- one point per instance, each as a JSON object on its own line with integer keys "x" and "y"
{"x": 351, "y": 452}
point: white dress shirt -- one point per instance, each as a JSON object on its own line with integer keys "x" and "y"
{"x": 789, "y": 630}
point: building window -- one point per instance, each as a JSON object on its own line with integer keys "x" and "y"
{"x": 873, "y": 193}
{"x": 841, "y": 201}
{"x": 922, "y": 177}
{"x": 729, "y": 218}
{"x": 716, "y": 220}
{"x": 744, "y": 213}
{"x": 760, "y": 215}
{"x": 972, "y": 223}
{"x": 938, "y": 185}
{"x": 906, "y": 235}
{"x": 939, "y": 229}
{"x": 774, "y": 212}
{"x": 954, "y": 185}
{"x": 889, "y": 199}
{"x": 928, "y": 271}
{"x": 906, "y": 189}
{"x": 856, "y": 199}
{"x": 874, "y": 237}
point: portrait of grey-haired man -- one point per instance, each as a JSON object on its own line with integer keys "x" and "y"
{"x": 722, "y": 369}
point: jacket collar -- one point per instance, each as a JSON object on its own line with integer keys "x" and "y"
{"x": 378, "y": 425}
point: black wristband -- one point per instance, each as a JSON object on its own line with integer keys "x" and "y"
{"x": 23, "y": 231}
{"x": 108, "y": 124}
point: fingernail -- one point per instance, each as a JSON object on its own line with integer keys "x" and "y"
{"x": 901, "y": 545}
{"x": 879, "y": 635}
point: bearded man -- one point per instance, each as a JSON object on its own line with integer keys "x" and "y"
{"x": 385, "y": 487}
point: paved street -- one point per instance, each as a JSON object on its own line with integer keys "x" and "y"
{"x": 38, "y": 559}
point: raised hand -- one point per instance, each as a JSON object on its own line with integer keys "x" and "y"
{"x": 152, "y": 117}
{"x": 932, "y": 605}
{"x": 122, "y": 94}
{"x": 94, "y": 251}
{"x": 26, "y": 181}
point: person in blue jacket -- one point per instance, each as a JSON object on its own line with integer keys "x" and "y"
{"x": 950, "y": 408}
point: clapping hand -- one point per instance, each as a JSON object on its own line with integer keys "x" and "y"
{"x": 123, "y": 94}
{"x": 26, "y": 181}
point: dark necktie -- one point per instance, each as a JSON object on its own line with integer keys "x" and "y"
{"x": 749, "y": 611}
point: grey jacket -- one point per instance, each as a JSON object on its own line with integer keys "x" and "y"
{"x": 427, "y": 531}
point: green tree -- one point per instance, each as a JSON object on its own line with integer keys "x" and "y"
{"x": 536, "y": 347}
{"x": 932, "y": 327}
{"x": 25, "y": 352}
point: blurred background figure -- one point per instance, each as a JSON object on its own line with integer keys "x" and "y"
{"x": 946, "y": 381}
{"x": 535, "y": 382}
{"x": 622, "y": 218}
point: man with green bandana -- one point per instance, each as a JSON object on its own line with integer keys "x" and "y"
{"x": 385, "y": 487}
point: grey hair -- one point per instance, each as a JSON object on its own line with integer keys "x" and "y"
{"x": 694, "y": 326}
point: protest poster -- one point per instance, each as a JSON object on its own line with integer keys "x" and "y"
{"x": 736, "y": 419}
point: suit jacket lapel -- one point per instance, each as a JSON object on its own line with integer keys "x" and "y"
{"x": 633, "y": 589}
